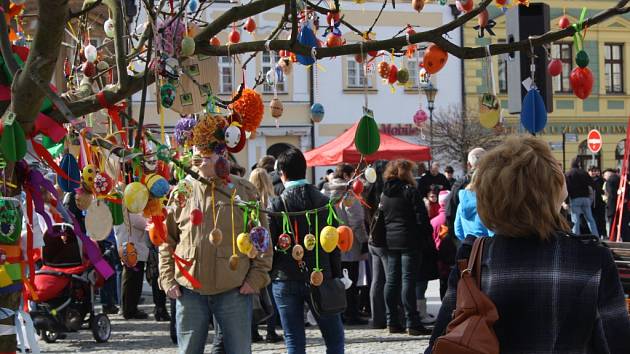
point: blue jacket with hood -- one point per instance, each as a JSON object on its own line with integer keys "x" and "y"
{"x": 467, "y": 221}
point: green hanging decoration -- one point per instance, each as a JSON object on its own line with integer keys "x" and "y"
{"x": 581, "y": 58}
{"x": 163, "y": 153}
{"x": 332, "y": 215}
{"x": 10, "y": 222}
{"x": 13, "y": 140}
{"x": 367, "y": 138}
{"x": 116, "y": 209}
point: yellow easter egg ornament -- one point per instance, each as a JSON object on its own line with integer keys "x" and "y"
{"x": 328, "y": 238}
{"x": 136, "y": 196}
{"x": 243, "y": 243}
{"x": 309, "y": 242}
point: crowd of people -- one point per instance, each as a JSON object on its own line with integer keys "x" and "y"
{"x": 409, "y": 227}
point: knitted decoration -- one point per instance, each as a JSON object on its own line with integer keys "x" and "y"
{"x": 251, "y": 108}
{"x": 183, "y": 129}
{"x": 208, "y": 133}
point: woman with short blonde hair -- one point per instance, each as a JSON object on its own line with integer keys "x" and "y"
{"x": 262, "y": 181}
{"x": 555, "y": 292}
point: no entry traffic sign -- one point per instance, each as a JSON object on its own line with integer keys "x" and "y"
{"x": 594, "y": 141}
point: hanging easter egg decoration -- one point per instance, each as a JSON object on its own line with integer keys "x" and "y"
{"x": 317, "y": 277}
{"x": 233, "y": 262}
{"x": 464, "y": 5}
{"x": 98, "y": 220}
{"x": 167, "y": 95}
{"x": 89, "y": 69}
{"x": 298, "y": 252}
{"x": 434, "y": 58}
{"x": 411, "y": 48}
{"x": 163, "y": 153}
{"x": 103, "y": 184}
{"x": 392, "y": 77}
{"x": 214, "y": 41}
{"x": 328, "y": 238}
{"x": 129, "y": 254}
{"x": 216, "y": 236}
{"x": 193, "y": 6}
{"x": 307, "y": 37}
{"x": 370, "y": 174}
{"x": 234, "y": 36}
{"x": 309, "y": 242}
{"x": 317, "y": 112}
{"x": 87, "y": 176}
{"x": 420, "y": 117}
{"x": 70, "y": 166}
{"x": 250, "y": 25}
{"x": 357, "y": 187}
{"x": 284, "y": 242}
{"x": 367, "y": 138}
{"x": 109, "y": 29}
{"x": 286, "y": 65}
{"x": 564, "y": 22}
{"x": 135, "y": 197}
{"x": 334, "y": 40}
{"x": 533, "y": 112}
{"x": 581, "y": 80}
{"x": 359, "y": 58}
{"x": 188, "y": 46}
{"x": 555, "y": 67}
{"x": 383, "y": 70}
{"x": 417, "y": 5}
{"x": 196, "y": 217}
{"x": 581, "y": 59}
{"x": 158, "y": 186}
{"x": 260, "y": 238}
{"x": 90, "y": 53}
{"x": 232, "y": 136}
{"x": 402, "y": 76}
{"x": 276, "y": 108}
{"x": 346, "y": 238}
{"x": 243, "y": 243}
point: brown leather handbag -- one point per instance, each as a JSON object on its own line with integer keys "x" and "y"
{"x": 470, "y": 331}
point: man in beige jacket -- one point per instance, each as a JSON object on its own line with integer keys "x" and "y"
{"x": 224, "y": 292}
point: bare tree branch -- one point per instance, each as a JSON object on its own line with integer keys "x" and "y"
{"x": 89, "y": 7}
{"x": 119, "y": 43}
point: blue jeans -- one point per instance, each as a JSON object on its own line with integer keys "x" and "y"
{"x": 290, "y": 297}
{"x": 402, "y": 269}
{"x": 232, "y": 311}
{"x": 582, "y": 206}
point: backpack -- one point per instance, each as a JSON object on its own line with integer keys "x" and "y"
{"x": 470, "y": 331}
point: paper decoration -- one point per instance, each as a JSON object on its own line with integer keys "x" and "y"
{"x": 192, "y": 97}
{"x": 367, "y": 138}
{"x": 533, "y": 113}
{"x": 98, "y": 221}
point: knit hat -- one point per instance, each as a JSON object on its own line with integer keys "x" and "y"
{"x": 442, "y": 197}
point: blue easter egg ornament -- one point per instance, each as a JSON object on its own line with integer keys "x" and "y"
{"x": 317, "y": 112}
{"x": 533, "y": 112}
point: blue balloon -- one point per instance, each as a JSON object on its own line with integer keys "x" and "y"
{"x": 306, "y": 37}
{"x": 533, "y": 112}
{"x": 70, "y": 166}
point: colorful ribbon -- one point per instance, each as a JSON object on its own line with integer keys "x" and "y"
{"x": 332, "y": 215}
{"x": 578, "y": 36}
{"x": 181, "y": 264}
{"x": 113, "y": 110}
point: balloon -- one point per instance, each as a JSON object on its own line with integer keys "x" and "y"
{"x": 309, "y": 242}
{"x": 533, "y": 112}
{"x": 109, "y": 29}
{"x": 420, "y": 117}
{"x": 370, "y": 174}
{"x": 196, "y": 217}
{"x": 135, "y": 197}
{"x": 98, "y": 221}
{"x": 241, "y": 143}
{"x": 434, "y": 58}
{"x": 581, "y": 82}
{"x": 328, "y": 238}
{"x": 243, "y": 243}
{"x": 555, "y": 67}
{"x": 260, "y": 238}
{"x": 346, "y": 238}
{"x": 367, "y": 138}
{"x": 90, "y": 53}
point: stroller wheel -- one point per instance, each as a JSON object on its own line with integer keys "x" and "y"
{"x": 49, "y": 336}
{"x": 101, "y": 328}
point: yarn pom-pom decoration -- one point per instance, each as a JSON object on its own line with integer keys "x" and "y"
{"x": 183, "y": 129}
{"x": 251, "y": 108}
{"x": 207, "y": 133}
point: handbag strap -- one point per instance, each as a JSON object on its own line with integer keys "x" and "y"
{"x": 474, "y": 261}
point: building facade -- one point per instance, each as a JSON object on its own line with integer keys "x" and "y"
{"x": 606, "y": 109}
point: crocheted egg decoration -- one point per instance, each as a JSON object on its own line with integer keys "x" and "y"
{"x": 251, "y": 108}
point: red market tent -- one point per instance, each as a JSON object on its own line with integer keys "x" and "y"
{"x": 342, "y": 149}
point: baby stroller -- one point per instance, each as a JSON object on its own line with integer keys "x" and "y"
{"x": 65, "y": 289}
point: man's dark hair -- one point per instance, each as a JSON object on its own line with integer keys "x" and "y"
{"x": 343, "y": 169}
{"x": 267, "y": 162}
{"x": 329, "y": 171}
{"x": 292, "y": 164}
{"x": 449, "y": 169}
{"x": 593, "y": 168}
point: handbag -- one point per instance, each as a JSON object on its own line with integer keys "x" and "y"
{"x": 378, "y": 233}
{"x": 470, "y": 331}
{"x": 329, "y": 298}
{"x": 262, "y": 306}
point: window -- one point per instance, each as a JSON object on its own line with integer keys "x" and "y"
{"x": 563, "y": 52}
{"x": 225, "y": 76}
{"x": 355, "y": 75}
{"x": 503, "y": 71}
{"x": 269, "y": 61}
{"x": 613, "y": 64}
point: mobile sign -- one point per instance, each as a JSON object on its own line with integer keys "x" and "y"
{"x": 594, "y": 141}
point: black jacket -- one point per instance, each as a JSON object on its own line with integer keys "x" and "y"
{"x": 452, "y": 202}
{"x": 578, "y": 182}
{"x": 278, "y": 187}
{"x": 612, "y": 186}
{"x": 598, "y": 183}
{"x": 427, "y": 180}
{"x": 300, "y": 198}
{"x": 407, "y": 222}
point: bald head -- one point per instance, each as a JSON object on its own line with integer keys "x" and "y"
{"x": 474, "y": 156}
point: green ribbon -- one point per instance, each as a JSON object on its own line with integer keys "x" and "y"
{"x": 286, "y": 223}
{"x": 308, "y": 220}
{"x": 332, "y": 215}
{"x": 245, "y": 217}
{"x": 578, "y": 38}
{"x": 317, "y": 241}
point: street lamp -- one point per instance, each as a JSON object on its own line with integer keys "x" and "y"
{"x": 430, "y": 91}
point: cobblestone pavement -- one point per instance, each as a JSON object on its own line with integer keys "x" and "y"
{"x": 148, "y": 336}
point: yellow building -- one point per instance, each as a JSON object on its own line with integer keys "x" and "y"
{"x": 606, "y": 109}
